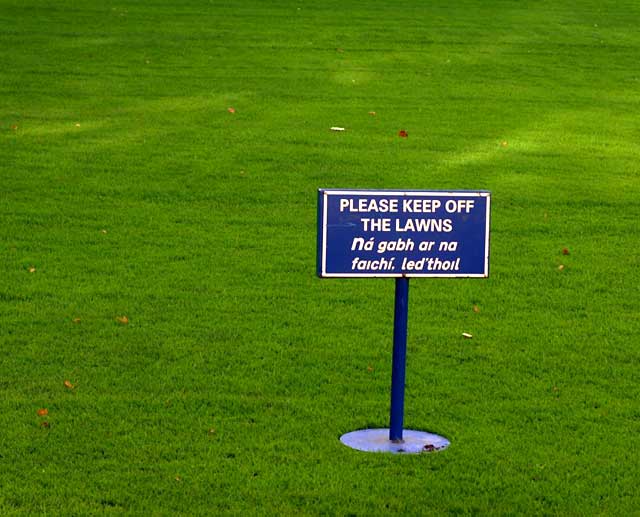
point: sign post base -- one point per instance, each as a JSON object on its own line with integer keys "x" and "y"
{"x": 377, "y": 440}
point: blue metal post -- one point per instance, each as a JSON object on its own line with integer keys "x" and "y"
{"x": 401, "y": 316}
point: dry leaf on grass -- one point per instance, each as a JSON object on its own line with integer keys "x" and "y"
{"x": 123, "y": 320}
{"x": 403, "y": 134}
{"x": 43, "y": 411}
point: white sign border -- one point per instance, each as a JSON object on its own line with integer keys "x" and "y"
{"x": 424, "y": 193}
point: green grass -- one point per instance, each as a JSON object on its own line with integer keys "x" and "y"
{"x": 131, "y": 190}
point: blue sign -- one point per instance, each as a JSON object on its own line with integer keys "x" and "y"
{"x": 393, "y": 233}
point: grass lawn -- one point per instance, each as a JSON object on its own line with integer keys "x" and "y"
{"x": 157, "y": 251}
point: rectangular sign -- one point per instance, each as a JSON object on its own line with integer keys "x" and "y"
{"x": 394, "y": 233}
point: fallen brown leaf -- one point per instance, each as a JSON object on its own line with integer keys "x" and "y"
{"x": 45, "y": 424}
{"x": 372, "y": 113}
{"x": 123, "y": 320}
{"x": 476, "y": 309}
{"x": 68, "y": 385}
{"x": 32, "y": 269}
{"x": 76, "y": 320}
{"x": 403, "y": 134}
{"x": 43, "y": 412}
{"x": 565, "y": 251}
{"x": 231, "y": 110}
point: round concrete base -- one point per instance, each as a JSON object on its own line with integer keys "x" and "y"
{"x": 377, "y": 440}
